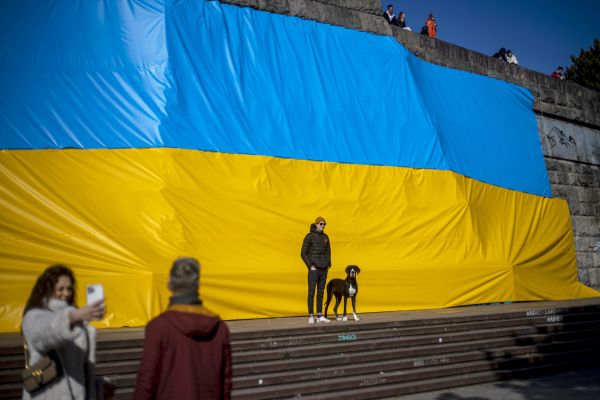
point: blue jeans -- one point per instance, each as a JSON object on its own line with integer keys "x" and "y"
{"x": 316, "y": 278}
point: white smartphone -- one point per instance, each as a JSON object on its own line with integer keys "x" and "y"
{"x": 94, "y": 293}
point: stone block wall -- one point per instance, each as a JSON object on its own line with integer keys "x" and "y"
{"x": 579, "y": 185}
{"x": 572, "y": 154}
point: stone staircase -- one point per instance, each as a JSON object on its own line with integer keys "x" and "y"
{"x": 377, "y": 359}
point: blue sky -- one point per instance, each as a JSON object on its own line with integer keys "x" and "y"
{"x": 542, "y": 34}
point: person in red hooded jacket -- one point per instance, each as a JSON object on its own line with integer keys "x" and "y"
{"x": 186, "y": 354}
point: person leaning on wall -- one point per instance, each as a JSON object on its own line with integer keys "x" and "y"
{"x": 402, "y": 21}
{"x": 511, "y": 58}
{"x": 186, "y": 354}
{"x": 389, "y": 16}
{"x": 501, "y": 54}
{"x": 316, "y": 254}
{"x": 54, "y": 327}
{"x": 558, "y": 73}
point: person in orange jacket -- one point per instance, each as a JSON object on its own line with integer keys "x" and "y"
{"x": 431, "y": 25}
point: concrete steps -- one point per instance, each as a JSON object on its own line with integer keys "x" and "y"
{"x": 368, "y": 360}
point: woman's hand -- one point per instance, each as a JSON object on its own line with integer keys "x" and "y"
{"x": 94, "y": 311}
{"x": 313, "y": 269}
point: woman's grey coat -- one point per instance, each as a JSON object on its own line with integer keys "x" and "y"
{"x": 50, "y": 329}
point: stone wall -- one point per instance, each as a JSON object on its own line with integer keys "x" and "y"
{"x": 572, "y": 155}
{"x": 568, "y": 114}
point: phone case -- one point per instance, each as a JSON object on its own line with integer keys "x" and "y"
{"x": 94, "y": 293}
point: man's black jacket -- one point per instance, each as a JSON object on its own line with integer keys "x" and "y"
{"x": 394, "y": 20}
{"x": 316, "y": 250}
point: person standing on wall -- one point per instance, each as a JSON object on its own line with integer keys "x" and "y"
{"x": 431, "y": 26}
{"x": 316, "y": 254}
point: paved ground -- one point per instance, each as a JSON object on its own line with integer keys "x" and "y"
{"x": 577, "y": 385}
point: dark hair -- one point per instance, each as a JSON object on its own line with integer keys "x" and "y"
{"x": 185, "y": 275}
{"x": 508, "y": 51}
{"x": 44, "y": 287}
{"x": 390, "y": 6}
{"x": 559, "y": 68}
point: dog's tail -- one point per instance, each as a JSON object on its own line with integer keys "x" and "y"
{"x": 329, "y": 296}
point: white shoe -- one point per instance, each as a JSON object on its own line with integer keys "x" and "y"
{"x": 322, "y": 319}
{"x": 311, "y": 320}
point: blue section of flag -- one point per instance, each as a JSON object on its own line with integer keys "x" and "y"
{"x": 205, "y": 76}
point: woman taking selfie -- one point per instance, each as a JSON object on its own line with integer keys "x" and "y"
{"x": 54, "y": 327}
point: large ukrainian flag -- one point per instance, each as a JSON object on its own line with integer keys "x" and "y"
{"x": 137, "y": 132}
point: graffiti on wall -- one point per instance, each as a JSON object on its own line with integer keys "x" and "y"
{"x": 569, "y": 141}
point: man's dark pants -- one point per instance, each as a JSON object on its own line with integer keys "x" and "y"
{"x": 316, "y": 278}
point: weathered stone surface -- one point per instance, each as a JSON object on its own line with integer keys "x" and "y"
{"x": 559, "y": 191}
{"x": 305, "y": 9}
{"x": 569, "y": 167}
{"x": 550, "y": 164}
{"x": 580, "y": 180}
{"x": 243, "y": 3}
{"x": 552, "y": 176}
{"x": 573, "y": 207}
{"x": 586, "y": 209}
{"x": 583, "y": 194}
{"x": 573, "y": 194}
{"x": 562, "y": 178}
{"x": 339, "y": 16}
{"x": 585, "y": 226}
{"x": 584, "y": 276}
{"x": 337, "y": 3}
{"x": 594, "y": 226}
{"x": 596, "y": 175}
{"x": 588, "y": 260}
{"x": 593, "y": 195}
{"x": 597, "y": 256}
{"x": 584, "y": 244}
{"x": 274, "y": 6}
{"x": 594, "y": 274}
{"x": 586, "y": 170}
{"x": 368, "y": 6}
{"x": 374, "y": 24}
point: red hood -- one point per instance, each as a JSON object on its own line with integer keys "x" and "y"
{"x": 191, "y": 324}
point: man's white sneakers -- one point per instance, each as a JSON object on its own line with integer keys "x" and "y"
{"x": 322, "y": 319}
{"x": 311, "y": 320}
